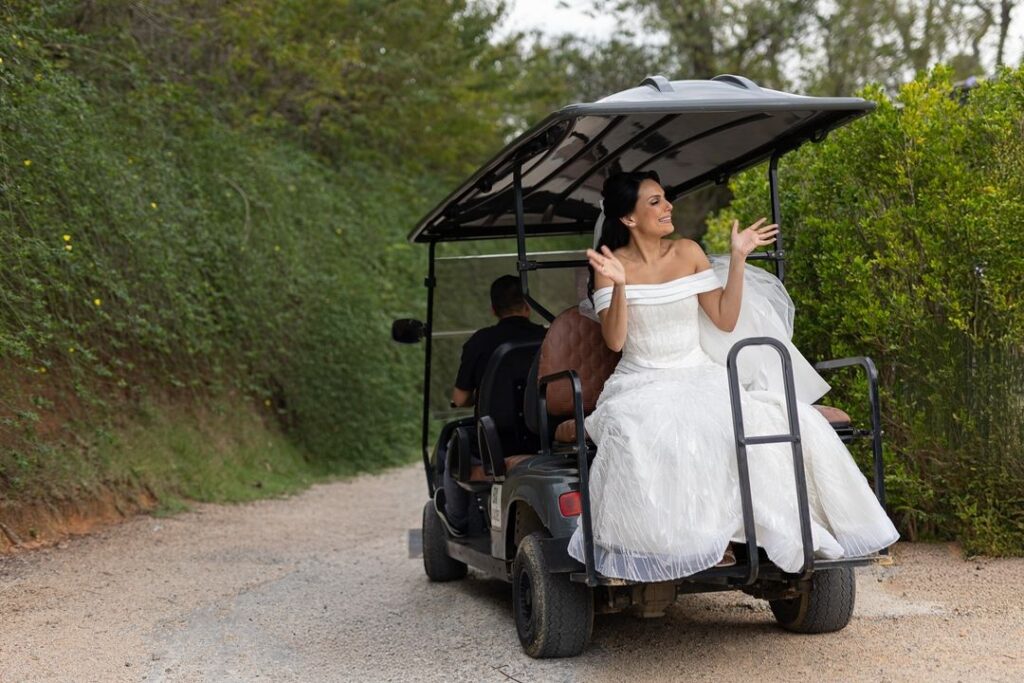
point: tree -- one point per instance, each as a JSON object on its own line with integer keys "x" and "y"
{"x": 398, "y": 80}
{"x": 854, "y": 42}
{"x": 829, "y": 47}
{"x": 750, "y": 37}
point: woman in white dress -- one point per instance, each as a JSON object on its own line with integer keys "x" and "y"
{"x": 664, "y": 484}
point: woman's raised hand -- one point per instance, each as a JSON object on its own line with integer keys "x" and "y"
{"x": 757, "y": 235}
{"x": 606, "y": 264}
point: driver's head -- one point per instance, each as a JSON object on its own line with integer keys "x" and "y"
{"x": 507, "y": 297}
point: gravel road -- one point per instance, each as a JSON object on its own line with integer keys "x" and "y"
{"x": 320, "y": 587}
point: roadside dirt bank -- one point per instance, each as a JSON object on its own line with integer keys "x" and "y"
{"x": 320, "y": 587}
{"x": 26, "y": 527}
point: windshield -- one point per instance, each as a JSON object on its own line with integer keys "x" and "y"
{"x": 462, "y": 306}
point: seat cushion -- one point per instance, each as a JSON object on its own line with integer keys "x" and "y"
{"x": 565, "y": 432}
{"x": 477, "y": 473}
{"x": 574, "y": 342}
{"x": 835, "y": 416}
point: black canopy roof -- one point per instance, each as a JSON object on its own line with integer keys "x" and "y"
{"x": 691, "y": 132}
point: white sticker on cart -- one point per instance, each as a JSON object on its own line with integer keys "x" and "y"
{"x": 496, "y": 506}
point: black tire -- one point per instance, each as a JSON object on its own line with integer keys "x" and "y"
{"x": 827, "y": 607}
{"x": 554, "y": 616}
{"x": 436, "y": 562}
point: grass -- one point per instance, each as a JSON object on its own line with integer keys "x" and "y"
{"x": 223, "y": 451}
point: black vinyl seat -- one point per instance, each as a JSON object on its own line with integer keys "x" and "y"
{"x": 500, "y": 434}
{"x": 502, "y": 392}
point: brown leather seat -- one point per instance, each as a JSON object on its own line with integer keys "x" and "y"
{"x": 477, "y": 473}
{"x": 574, "y": 342}
{"x": 565, "y": 432}
{"x": 836, "y": 417}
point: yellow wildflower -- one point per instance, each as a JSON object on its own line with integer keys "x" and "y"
{"x": 68, "y": 247}
{"x": 152, "y": 205}
{"x": 42, "y": 370}
{"x": 67, "y": 238}
{"x": 71, "y": 349}
{"x": 97, "y": 301}
{"x": 27, "y": 162}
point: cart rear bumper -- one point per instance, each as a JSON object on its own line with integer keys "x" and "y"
{"x": 736, "y": 576}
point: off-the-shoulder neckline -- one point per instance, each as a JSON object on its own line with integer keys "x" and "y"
{"x": 661, "y": 284}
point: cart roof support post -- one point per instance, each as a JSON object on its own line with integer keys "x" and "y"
{"x": 773, "y": 188}
{"x": 430, "y": 283}
{"x": 522, "y": 264}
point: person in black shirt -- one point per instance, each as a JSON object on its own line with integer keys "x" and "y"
{"x": 512, "y": 311}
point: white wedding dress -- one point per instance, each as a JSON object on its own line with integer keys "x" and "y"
{"x": 665, "y": 495}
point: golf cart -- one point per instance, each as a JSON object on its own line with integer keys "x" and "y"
{"x": 523, "y": 455}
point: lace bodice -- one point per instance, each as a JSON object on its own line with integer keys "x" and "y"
{"x": 662, "y": 328}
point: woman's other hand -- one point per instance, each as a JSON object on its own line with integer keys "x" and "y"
{"x": 757, "y": 235}
{"x": 607, "y": 265}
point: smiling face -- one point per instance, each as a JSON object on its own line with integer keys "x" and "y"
{"x": 652, "y": 214}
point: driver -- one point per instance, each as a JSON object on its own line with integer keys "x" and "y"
{"x": 513, "y": 312}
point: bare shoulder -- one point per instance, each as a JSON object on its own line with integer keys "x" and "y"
{"x": 691, "y": 256}
{"x": 685, "y": 246}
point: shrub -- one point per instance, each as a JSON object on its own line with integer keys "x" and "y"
{"x": 905, "y": 245}
{"x": 153, "y": 252}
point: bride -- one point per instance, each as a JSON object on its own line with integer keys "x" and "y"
{"x": 664, "y": 484}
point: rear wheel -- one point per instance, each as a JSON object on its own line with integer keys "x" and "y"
{"x": 436, "y": 562}
{"x": 554, "y": 616}
{"x": 826, "y": 607}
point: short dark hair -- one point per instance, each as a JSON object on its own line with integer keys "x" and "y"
{"x": 507, "y": 295}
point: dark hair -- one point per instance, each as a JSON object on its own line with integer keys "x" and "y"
{"x": 621, "y": 192}
{"x": 507, "y": 295}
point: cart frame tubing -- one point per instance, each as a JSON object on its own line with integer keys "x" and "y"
{"x": 876, "y": 414}
{"x": 779, "y": 253}
{"x": 522, "y": 264}
{"x": 793, "y": 438}
{"x": 581, "y": 458}
{"x": 430, "y": 283}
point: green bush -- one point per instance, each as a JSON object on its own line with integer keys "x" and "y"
{"x": 153, "y": 253}
{"x": 904, "y": 244}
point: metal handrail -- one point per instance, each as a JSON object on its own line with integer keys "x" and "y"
{"x": 581, "y": 455}
{"x": 876, "y": 413}
{"x": 793, "y": 438}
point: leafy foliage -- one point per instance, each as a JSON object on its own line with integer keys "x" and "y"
{"x": 903, "y": 246}
{"x": 158, "y": 249}
{"x": 393, "y": 83}
{"x": 825, "y": 47}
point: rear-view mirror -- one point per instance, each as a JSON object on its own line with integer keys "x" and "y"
{"x": 408, "y": 331}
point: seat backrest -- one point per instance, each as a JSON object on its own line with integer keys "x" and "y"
{"x": 574, "y": 342}
{"x": 501, "y": 395}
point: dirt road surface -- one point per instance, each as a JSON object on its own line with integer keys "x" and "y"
{"x": 320, "y": 587}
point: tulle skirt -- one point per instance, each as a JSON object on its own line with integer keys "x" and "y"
{"x": 665, "y": 495}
